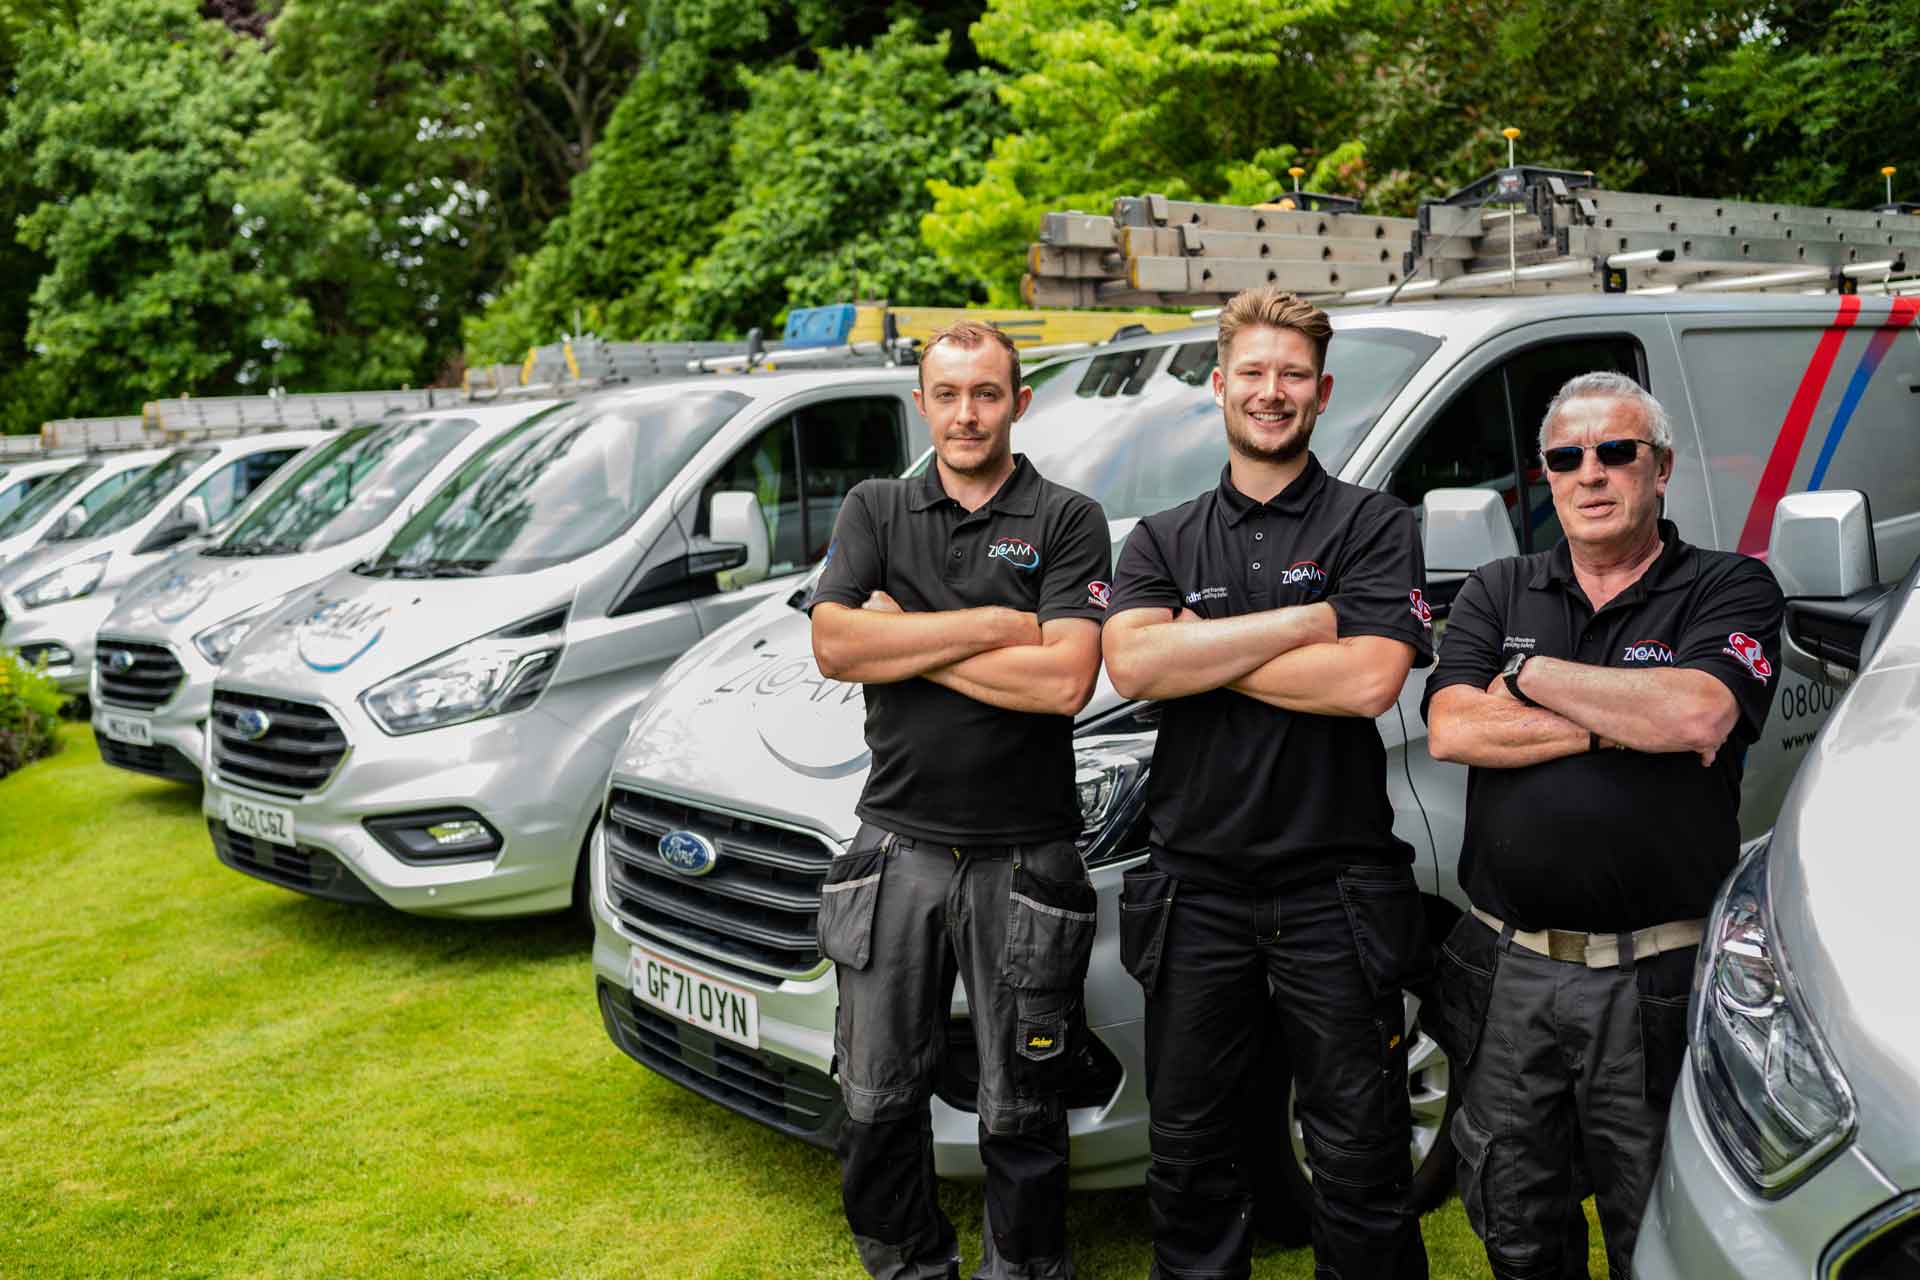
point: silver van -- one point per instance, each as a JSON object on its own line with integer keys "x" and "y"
{"x": 53, "y": 597}
{"x": 157, "y": 652}
{"x": 432, "y": 729}
{"x": 70, "y": 495}
{"x": 1793, "y": 1147}
{"x": 746, "y": 744}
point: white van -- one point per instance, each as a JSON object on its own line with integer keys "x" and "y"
{"x": 157, "y": 652}
{"x": 69, "y": 496}
{"x": 745, "y": 744}
{"x": 433, "y": 728}
{"x": 53, "y": 597}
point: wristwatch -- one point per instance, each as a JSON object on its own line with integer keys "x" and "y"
{"x": 1511, "y": 673}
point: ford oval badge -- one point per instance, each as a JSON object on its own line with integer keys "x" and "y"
{"x": 120, "y": 661}
{"x": 687, "y": 853}
{"x": 252, "y": 724}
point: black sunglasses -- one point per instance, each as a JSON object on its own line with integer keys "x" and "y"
{"x": 1612, "y": 453}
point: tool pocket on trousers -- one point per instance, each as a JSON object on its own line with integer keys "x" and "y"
{"x": 1389, "y": 926}
{"x": 1470, "y": 1143}
{"x": 1146, "y": 902}
{"x": 1046, "y": 1024}
{"x": 1462, "y": 988}
{"x": 1663, "y": 1045}
{"x": 848, "y": 900}
{"x": 1049, "y": 930}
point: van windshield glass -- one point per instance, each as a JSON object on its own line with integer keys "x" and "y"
{"x": 42, "y": 499}
{"x": 555, "y": 489}
{"x": 142, "y": 496}
{"x": 348, "y": 486}
{"x": 1138, "y": 431}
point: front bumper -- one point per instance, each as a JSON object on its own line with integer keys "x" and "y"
{"x": 69, "y": 624}
{"x": 1702, "y": 1223}
{"x": 530, "y": 776}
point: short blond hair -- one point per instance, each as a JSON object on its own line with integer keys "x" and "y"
{"x": 1272, "y": 307}
{"x": 970, "y": 334}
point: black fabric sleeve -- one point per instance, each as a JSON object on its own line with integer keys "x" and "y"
{"x": 1472, "y": 651}
{"x": 1380, "y": 587}
{"x": 1076, "y": 581}
{"x": 1142, "y": 580}
{"x": 855, "y": 566}
{"x": 1733, "y": 633}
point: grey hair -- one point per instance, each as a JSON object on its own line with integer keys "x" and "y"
{"x": 1612, "y": 386}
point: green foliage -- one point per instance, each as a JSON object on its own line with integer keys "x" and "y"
{"x": 29, "y": 713}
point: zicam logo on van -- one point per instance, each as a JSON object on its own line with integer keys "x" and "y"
{"x": 1304, "y": 573}
{"x": 1747, "y": 650}
{"x": 1648, "y": 651}
{"x": 1017, "y": 552}
{"x": 688, "y": 853}
{"x": 337, "y": 632}
{"x": 179, "y": 594}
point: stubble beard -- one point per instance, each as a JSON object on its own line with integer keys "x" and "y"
{"x": 1288, "y": 450}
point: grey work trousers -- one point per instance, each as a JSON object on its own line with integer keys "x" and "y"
{"x": 901, "y": 918}
{"x": 1569, "y": 1072}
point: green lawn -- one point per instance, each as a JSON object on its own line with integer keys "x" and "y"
{"x": 202, "y": 1075}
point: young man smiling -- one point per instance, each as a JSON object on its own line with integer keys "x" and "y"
{"x": 1273, "y": 616}
{"x": 967, "y": 601}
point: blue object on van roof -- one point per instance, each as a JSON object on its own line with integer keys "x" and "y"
{"x": 819, "y": 326}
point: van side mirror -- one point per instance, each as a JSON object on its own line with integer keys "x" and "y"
{"x": 1822, "y": 551}
{"x": 70, "y": 522}
{"x": 192, "y": 513}
{"x": 737, "y": 525}
{"x": 1465, "y": 528}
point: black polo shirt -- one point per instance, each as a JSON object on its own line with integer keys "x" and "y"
{"x": 946, "y": 767}
{"x": 1244, "y": 795}
{"x": 1612, "y": 840}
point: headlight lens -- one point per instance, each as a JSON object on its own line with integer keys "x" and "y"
{"x": 1775, "y": 1098}
{"x": 218, "y": 640}
{"x": 70, "y": 583}
{"x": 480, "y": 679}
{"x": 1110, "y": 763}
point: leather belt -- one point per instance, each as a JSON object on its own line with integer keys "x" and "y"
{"x": 1599, "y": 950}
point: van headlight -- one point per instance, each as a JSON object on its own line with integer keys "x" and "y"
{"x": 485, "y": 678}
{"x": 70, "y": 583}
{"x": 1774, "y": 1096}
{"x": 1110, "y": 762}
{"x": 219, "y": 640}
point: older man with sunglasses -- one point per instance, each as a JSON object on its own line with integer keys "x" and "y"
{"x": 1604, "y": 694}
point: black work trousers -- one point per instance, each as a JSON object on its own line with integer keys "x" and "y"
{"x": 1568, "y": 1074}
{"x": 1329, "y": 959}
{"x": 900, "y": 918}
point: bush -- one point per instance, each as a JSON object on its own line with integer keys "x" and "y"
{"x": 29, "y": 710}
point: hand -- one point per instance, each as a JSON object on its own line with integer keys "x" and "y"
{"x": 881, "y": 602}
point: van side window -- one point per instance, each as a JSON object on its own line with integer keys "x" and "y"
{"x": 843, "y": 442}
{"x": 768, "y": 468}
{"x": 228, "y": 487}
{"x": 1487, "y": 438}
{"x": 107, "y": 490}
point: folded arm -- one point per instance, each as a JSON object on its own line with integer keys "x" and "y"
{"x": 885, "y": 646}
{"x": 1490, "y": 729}
{"x": 1053, "y": 677}
{"x": 1356, "y": 676}
{"x": 1657, "y": 710}
{"x": 1150, "y": 653}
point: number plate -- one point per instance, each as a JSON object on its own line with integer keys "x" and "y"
{"x": 127, "y": 729}
{"x": 267, "y": 822}
{"x": 725, "y": 1010}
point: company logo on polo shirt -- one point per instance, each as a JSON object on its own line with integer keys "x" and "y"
{"x": 1747, "y": 650}
{"x": 1017, "y": 552}
{"x": 1206, "y": 593}
{"x": 1518, "y": 643}
{"x": 1421, "y": 609}
{"x": 1099, "y": 594}
{"x": 1305, "y": 573}
{"x": 1648, "y": 651}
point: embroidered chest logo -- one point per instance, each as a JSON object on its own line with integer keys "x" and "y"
{"x": 1421, "y": 609}
{"x": 1206, "y": 593}
{"x": 1017, "y": 552}
{"x": 1515, "y": 644}
{"x": 1747, "y": 650}
{"x": 1648, "y": 651}
{"x": 1305, "y": 573}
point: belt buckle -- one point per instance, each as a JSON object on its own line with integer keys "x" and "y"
{"x": 1563, "y": 945}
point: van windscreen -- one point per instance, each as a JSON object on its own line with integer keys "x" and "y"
{"x": 42, "y": 499}
{"x": 556, "y": 488}
{"x": 142, "y": 496}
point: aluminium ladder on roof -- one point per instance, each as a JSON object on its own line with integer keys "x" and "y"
{"x": 209, "y": 417}
{"x": 1519, "y": 230}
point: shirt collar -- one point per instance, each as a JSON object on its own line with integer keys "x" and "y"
{"x": 1292, "y": 500}
{"x": 1018, "y": 495}
{"x": 1675, "y": 566}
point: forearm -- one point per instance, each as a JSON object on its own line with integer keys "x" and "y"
{"x": 1646, "y": 710}
{"x": 1342, "y": 678}
{"x": 1055, "y": 677}
{"x": 1472, "y": 727}
{"x": 869, "y": 646}
{"x": 1175, "y": 659}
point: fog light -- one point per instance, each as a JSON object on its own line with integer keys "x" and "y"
{"x": 50, "y": 655}
{"x": 435, "y": 835}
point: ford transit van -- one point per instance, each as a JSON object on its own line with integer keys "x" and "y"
{"x": 70, "y": 496}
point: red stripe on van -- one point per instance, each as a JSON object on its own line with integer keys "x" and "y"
{"x": 1793, "y": 431}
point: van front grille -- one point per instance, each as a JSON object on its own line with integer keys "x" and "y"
{"x": 756, "y": 909}
{"x": 136, "y": 675}
{"x": 295, "y": 753}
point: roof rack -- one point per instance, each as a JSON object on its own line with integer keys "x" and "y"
{"x": 1518, "y": 230}
{"x": 216, "y": 417}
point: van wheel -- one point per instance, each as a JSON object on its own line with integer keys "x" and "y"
{"x": 580, "y": 906}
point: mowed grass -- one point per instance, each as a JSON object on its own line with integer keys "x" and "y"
{"x": 203, "y": 1075}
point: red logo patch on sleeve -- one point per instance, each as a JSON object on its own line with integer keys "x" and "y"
{"x": 1099, "y": 594}
{"x": 1746, "y": 650}
{"x": 1421, "y": 609}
